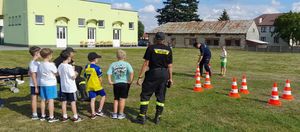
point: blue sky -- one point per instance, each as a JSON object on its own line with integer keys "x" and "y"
{"x": 209, "y": 10}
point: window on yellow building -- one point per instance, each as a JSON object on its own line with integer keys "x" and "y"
{"x": 131, "y": 25}
{"x": 39, "y": 19}
{"x": 81, "y": 22}
{"x": 101, "y": 24}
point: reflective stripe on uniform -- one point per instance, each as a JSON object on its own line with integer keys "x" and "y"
{"x": 144, "y": 102}
{"x": 160, "y": 104}
{"x": 141, "y": 115}
{"x": 161, "y": 51}
{"x": 82, "y": 82}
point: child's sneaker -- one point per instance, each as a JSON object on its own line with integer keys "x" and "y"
{"x": 42, "y": 118}
{"x": 93, "y": 116}
{"x": 77, "y": 120}
{"x": 64, "y": 119}
{"x": 121, "y": 116}
{"x": 100, "y": 113}
{"x": 34, "y": 117}
{"x": 51, "y": 120}
{"x": 114, "y": 116}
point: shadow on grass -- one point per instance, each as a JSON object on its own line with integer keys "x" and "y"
{"x": 14, "y": 104}
{"x": 183, "y": 74}
{"x": 257, "y": 100}
{"x": 130, "y": 112}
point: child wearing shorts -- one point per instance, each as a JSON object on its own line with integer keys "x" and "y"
{"x": 34, "y": 87}
{"x": 122, "y": 74}
{"x": 93, "y": 76}
{"x": 68, "y": 86}
{"x": 223, "y": 58}
{"x": 47, "y": 77}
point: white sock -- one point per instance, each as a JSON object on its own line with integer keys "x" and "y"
{"x": 99, "y": 110}
{"x": 51, "y": 117}
{"x": 44, "y": 116}
{"x": 75, "y": 116}
{"x": 34, "y": 114}
{"x": 65, "y": 116}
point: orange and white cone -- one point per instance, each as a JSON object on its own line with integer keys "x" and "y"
{"x": 244, "y": 88}
{"x": 197, "y": 72}
{"x": 287, "y": 92}
{"x": 274, "y": 100}
{"x": 234, "y": 93}
{"x": 198, "y": 86}
{"x": 207, "y": 83}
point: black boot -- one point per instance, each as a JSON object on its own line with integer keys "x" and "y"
{"x": 141, "y": 118}
{"x": 158, "y": 113}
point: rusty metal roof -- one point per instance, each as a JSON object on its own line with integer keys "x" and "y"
{"x": 207, "y": 27}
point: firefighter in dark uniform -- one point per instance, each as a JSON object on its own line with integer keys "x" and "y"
{"x": 158, "y": 58}
{"x": 204, "y": 57}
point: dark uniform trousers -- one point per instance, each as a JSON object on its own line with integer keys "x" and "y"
{"x": 204, "y": 62}
{"x": 155, "y": 82}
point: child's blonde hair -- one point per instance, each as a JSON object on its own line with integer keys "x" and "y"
{"x": 45, "y": 52}
{"x": 121, "y": 54}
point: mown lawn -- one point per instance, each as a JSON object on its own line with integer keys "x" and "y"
{"x": 185, "y": 110}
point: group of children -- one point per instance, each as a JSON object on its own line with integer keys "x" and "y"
{"x": 43, "y": 84}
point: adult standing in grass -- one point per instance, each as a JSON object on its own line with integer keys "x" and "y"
{"x": 158, "y": 58}
{"x": 204, "y": 57}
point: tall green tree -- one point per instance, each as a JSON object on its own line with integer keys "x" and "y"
{"x": 224, "y": 16}
{"x": 178, "y": 11}
{"x": 287, "y": 27}
{"x": 141, "y": 29}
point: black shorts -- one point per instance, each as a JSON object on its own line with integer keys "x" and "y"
{"x": 121, "y": 90}
{"x": 70, "y": 97}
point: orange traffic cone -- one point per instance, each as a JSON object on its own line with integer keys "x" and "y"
{"x": 287, "y": 92}
{"x": 198, "y": 87}
{"x": 207, "y": 83}
{"x": 234, "y": 93}
{"x": 197, "y": 72}
{"x": 274, "y": 100}
{"x": 244, "y": 88}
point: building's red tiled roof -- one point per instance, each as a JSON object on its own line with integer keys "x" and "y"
{"x": 267, "y": 19}
{"x": 207, "y": 27}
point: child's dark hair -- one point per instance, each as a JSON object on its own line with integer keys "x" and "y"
{"x": 45, "y": 52}
{"x": 65, "y": 55}
{"x": 195, "y": 44}
{"x": 33, "y": 50}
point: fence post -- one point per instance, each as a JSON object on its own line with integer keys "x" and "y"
{"x": 279, "y": 48}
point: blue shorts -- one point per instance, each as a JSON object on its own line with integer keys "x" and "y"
{"x": 32, "y": 90}
{"x": 94, "y": 94}
{"x": 48, "y": 92}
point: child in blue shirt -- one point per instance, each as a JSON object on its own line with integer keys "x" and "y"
{"x": 122, "y": 74}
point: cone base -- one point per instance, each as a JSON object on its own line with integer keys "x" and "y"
{"x": 274, "y": 102}
{"x": 244, "y": 91}
{"x": 287, "y": 97}
{"x": 198, "y": 90}
{"x": 234, "y": 95}
{"x": 208, "y": 86}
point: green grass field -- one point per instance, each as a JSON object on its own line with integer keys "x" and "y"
{"x": 185, "y": 110}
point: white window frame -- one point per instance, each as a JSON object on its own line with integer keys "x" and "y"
{"x": 83, "y": 22}
{"x": 131, "y": 28}
{"x": 20, "y": 20}
{"x": 103, "y": 26}
{"x": 40, "y": 23}
{"x": 9, "y": 21}
{"x": 263, "y": 39}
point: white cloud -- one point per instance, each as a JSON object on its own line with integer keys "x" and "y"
{"x": 275, "y": 3}
{"x": 124, "y": 5}
{"x": 152, "y": 1}
{"x": 296, "y": 7}
{"x": 148, "y": 9}
{"x": 238, "y": 11}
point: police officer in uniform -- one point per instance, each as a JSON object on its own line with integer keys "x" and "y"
{"x": 158, "y": 58}
{"x": 204, "y": 57}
